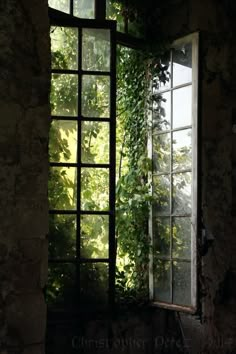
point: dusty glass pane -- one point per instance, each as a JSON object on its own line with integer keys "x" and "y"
{"x": 182, "y": 64}
{"x": 114, "y": 12}
{"x": 182, "y": 193}
{"x": 94, "y": 236}
{"x": 62, "y": 188}
{"x": 62, "y": 236}
{"x": 64, "y": 48}
{"x": 161, "y": 236}
{"x": 161, "y": 153}
{"x": 84, "y": 8}
{"x": 64, "y": 95}
{"x": 63, "y": 141}
{"x": 182, "y": 283}
{"x": 94, "y": 284}
{"x": 162, "y": 112}
{"x": 61, "y": 285}
{"x": 61, "y": 5}
{"x": 162, "y": 290}
{"x": 182, "y": 149}
{"x": 94, "y": 189}
{"x": 95, "y": 96}
{"x": 96, "y": 49}
{"x": 181, "y": 235}
{"x": 161, "y": 194}
{"x": 95, "y": 142}
{"x": 182, "y": 107}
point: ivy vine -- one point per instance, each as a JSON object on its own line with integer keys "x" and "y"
{"x": 136, "y": 69}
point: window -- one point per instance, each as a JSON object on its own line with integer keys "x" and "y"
{"x": 173, "y": 149}
{"x": 82, "y": 161}
{"x": 82, "y": 249}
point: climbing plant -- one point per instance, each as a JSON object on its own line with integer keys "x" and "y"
{"x": 133, "y": 199}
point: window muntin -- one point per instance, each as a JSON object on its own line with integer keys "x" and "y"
{"x": 173, "y": 149}
{"x": 82, "y": 170}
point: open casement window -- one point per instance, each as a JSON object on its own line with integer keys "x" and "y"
{"x": 82, "y": 161}
{"x": 173, "y": 149}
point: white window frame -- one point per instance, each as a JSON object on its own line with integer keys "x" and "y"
{"x": 194, "y": 40}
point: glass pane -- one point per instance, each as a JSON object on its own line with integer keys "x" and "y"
{"x": 182, "y": 107}
{"x": 64, "y": 48}
{"x": 62, "y": 236}
{"x": 94, "y": 236}
{"x": 84, "y": 8}
{"x": 64, "y": 95}
{"x": 182, "y": 193}
{"x": 181, "y": 233}
{"x": 94, "y": 284}
{"x": 162, "y": 112}
{"x": 182, "y": 64}
{"x": 162, "y": 290}
{"x": 63, "y": 141}
{"x": 182, "y": 283}
{"x": 182, "y": 149}
{"x": 62, "y": 188}
{"x": 161, "y": 193}
{"x": 161, "y": 236}
{"x": 96, "y": 96}
{"x": 114, "y": 12}
{"x": 61, "y": 5}
{"x": 161, "y": 153}
{"x": 96, "y": 49}
{"x": 61, "y": 285}
{"x": 94, "y": 189}
{"x": 95, "y": 142}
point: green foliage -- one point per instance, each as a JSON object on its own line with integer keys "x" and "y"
{"x": 133, "y": 189}
{"x": 61, "y": 227}
{"x": 135, "y": 96}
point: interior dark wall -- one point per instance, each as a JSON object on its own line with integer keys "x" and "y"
{"x": 24, "y": 127}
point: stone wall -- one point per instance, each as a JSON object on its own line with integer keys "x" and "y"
{"x": 24, "y": 126}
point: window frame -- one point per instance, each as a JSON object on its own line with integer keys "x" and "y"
{"x": 194, "y": 40}
{"x": 61, "y": 19}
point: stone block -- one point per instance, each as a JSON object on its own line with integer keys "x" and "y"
{"x": 31, "y": 249}
{"x": 31, "y": 217}
{"x": 26, "y": 315}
